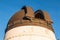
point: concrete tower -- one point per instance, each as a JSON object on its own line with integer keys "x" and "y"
{"x": 29, "y": 25}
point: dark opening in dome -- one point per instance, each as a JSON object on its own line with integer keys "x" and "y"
{"x": 39, "y": 14}
{"x": 25, "y": 9}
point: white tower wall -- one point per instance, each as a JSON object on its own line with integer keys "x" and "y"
{"x": 30, "y": 33}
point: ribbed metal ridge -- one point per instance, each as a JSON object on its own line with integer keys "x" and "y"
{"x": 26, "y": 16}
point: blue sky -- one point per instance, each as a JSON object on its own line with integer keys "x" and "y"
{"x": 10, "y": 7}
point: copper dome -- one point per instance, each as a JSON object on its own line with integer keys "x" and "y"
{"x": 26, "y": 16}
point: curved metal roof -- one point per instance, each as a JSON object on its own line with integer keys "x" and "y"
{"x": 26, "y": 16}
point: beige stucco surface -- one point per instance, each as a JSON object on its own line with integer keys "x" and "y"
{"x": 30, "y": 33}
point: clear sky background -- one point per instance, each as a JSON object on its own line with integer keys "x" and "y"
{"x": 10, "y": 7}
